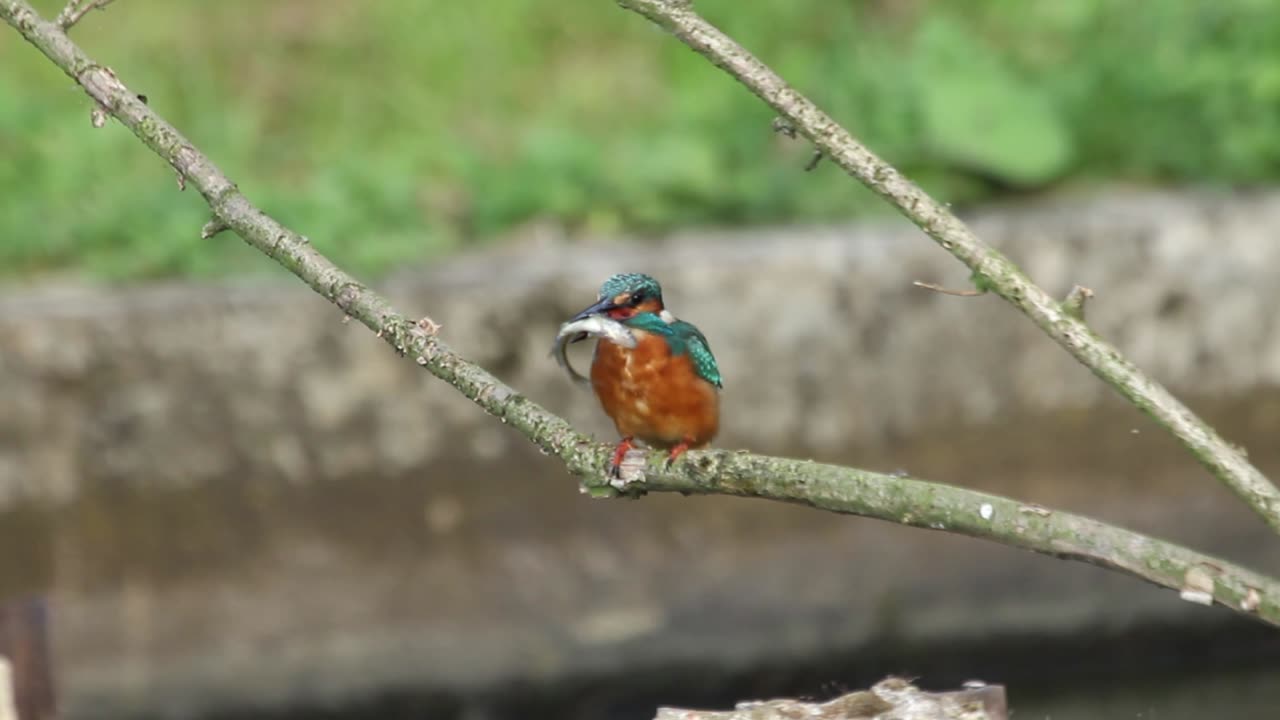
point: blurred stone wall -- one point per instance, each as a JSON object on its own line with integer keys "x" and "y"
{"x": 232, "y": 496}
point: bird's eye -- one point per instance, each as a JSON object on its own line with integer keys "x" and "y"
{"x": 636, "y": 298}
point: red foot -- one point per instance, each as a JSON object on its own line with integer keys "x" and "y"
{"x": 620, "y": 452}
{"x": 676, "y": 452}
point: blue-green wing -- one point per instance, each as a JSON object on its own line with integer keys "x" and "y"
{"x": 683, "y": 338}
{"x": 704, "y": 363}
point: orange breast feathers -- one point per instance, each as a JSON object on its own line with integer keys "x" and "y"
{"x": 654, "y": 396}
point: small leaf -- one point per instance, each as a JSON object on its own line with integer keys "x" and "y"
{"x": 981, "y": 282}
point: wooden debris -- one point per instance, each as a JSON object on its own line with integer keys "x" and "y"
{"x": 890, "y": 699}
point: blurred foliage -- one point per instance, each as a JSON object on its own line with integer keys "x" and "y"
{"x": 395, "y": 130}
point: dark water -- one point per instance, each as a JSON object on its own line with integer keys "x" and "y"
{"x": 1224, "y": 670}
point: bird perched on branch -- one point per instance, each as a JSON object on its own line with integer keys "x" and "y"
{"x": 662, "y": 387}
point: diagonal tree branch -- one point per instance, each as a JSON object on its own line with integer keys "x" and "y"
{"x": 991, "y": 269}
{"x": 907, "y": 501}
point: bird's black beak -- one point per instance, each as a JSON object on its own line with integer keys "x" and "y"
{"x": 601, "y": 307}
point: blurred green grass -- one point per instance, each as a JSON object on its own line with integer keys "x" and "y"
{"x": 397, "y": 130}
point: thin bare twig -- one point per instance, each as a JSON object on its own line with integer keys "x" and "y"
{"x": 212, "y": 228}
{"x": 813, "y": 161}
{"x": 1074, "y": 303}
{"x": 894, "y": 498}
{"x": 990, "y": 268}
{"x": 783, "y": 127}
{"x": 948, "y": 291}
{"x": 77, "y": 9}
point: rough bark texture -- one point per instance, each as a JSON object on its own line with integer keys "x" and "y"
{"x": 992, "y": 270}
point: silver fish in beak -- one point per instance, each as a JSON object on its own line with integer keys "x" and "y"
{"x": 582, "y": 327}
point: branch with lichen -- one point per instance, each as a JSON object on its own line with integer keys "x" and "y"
{"x": 1064, "y": 322}
{"x": 903, "y": 500}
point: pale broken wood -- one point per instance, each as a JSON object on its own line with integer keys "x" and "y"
{"x": 8, "y": 708}
{"x": 890, "y": 699}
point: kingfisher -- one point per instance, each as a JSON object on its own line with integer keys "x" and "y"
{"x": 665, "y": 391}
